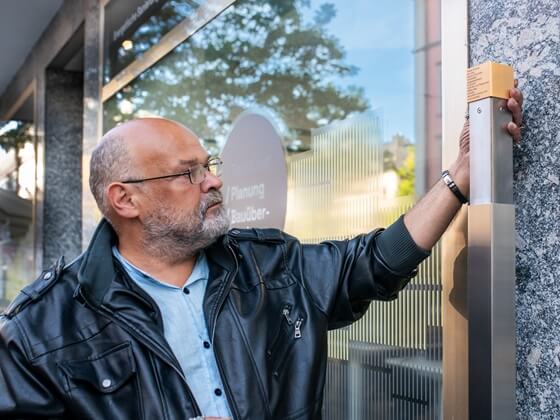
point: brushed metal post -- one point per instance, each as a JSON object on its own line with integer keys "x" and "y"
{"x": 491, "y": 264}
{"x": 491, "y": 163}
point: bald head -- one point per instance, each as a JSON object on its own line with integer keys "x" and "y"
{"x": 125, "y": 152}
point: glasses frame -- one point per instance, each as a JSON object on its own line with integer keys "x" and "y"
{"x": 215, "y": 161}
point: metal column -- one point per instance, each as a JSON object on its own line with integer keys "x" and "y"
{"x": 491, "y": 263}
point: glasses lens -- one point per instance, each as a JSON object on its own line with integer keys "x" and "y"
{"x": 215, "y": 167}
{"x": 198, "y": 173}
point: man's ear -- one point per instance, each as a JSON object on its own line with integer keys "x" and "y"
{"x": 121, "y": 198}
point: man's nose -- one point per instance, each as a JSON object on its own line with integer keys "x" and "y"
{"x": 211, "y": 181}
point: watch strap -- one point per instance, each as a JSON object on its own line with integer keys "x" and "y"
{"x": 446, "y": 177}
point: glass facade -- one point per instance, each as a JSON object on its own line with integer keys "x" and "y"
{"x": 17, "y": 192}
{"x": 355, "y": 96}
{"x": 133, "y": 26}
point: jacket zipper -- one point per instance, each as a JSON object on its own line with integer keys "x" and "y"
{"x": 147, "y": 342}
{"x": 282, "y": 357}
{"x": 284, "y": 318}
{"x": 286, "y": 315}
{"x": 229, "y": 394}
{"x": 297, "y": 324}
{"x": 297, "y": 328}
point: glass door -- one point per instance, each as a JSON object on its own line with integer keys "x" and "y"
{"x": 353, "y": 92}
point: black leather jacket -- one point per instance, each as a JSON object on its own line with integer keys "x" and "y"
{"x": 83, "y": 341}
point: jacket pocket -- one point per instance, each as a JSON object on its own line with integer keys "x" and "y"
{"x": 104, "y": 373}
{"x": 264, "y": 267}
{"x": 289, "y": 332}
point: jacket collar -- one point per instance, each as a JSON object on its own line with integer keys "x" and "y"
{"x": 220, "y": 253}
{"x": 97, "y": 271}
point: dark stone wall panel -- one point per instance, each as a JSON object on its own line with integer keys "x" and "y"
{"x": 62, "y": 224}
{"x": 526, "y": 35}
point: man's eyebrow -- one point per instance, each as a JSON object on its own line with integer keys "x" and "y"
{"x": 187, "y": 162}
{"x": 192, "y": 162}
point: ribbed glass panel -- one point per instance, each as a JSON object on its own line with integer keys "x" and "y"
{"x": 388, "y": 364}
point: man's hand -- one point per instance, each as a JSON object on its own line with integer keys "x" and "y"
{"x": 515, "y": 106}
{"x": 429, "y": 218}
{"x": 459, "y": 170}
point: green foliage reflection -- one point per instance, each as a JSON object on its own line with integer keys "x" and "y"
{"x": 13, "y": 137}
{"x": 265, "y": 54}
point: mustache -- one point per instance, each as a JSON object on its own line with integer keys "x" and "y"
{"x": 213, "y": 197}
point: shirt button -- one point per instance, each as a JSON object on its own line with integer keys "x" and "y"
{"x": 206, "y": 345}
{"x": 106, "y": 383}
{"x": 218, "y": 392}
{"x": 186, "y": 291}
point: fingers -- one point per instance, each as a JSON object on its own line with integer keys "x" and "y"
{"x": 515, "y": 106}
{"x": 464, "y": 138}
{"x": 516, "y": 94}
{"x": 514, "y": 131}
{"x": 465, "y": 131}
{"x": 516, "y": 111}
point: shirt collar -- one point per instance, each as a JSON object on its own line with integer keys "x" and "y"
{"x": 199, "y": 273}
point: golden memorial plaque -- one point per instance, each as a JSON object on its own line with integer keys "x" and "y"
{"x": 489, "y": 80}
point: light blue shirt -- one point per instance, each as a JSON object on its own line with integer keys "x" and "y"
{"x": 185, "y": 331}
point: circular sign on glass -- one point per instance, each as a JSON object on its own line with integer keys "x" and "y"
{"x": 255, "y": 174}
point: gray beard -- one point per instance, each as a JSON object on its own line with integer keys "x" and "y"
{"x": 173, "y": 236}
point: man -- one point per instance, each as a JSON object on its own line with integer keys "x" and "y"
{"x": 169, "y": 315}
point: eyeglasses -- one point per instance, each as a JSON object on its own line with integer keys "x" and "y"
{"x": 196, "y": 175}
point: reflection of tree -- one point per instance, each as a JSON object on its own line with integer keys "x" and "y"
{"x": 256, "y": 53}
{"x": 14, "y": 136}
{"x": 388, "y": 161}
{"x": 406, "y": 173}
{"x": 399, "y": 156}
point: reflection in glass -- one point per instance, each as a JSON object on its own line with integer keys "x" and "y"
{"x": 17, "y": 190}
{"x": 255, "y": 53}
{"x": 355, "y": 93}
{"x": 129, "y": 28}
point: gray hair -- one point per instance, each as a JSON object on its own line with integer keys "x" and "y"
{"x": 110, "y": 162}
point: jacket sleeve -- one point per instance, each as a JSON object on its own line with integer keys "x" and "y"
{"x": 23, "y": 393}
{"x": 343, "y": 277}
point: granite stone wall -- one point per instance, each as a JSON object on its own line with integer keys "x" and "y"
{"x": 62, "y": 207}
{"x": 526, "y": 35}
